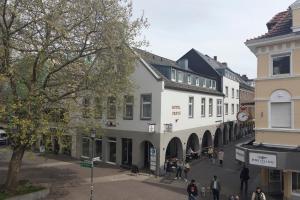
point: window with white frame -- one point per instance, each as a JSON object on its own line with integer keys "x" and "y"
{"x": 173, "y": 75}
{"x": 112, "y": 110}
{"x": 197, "y": 81}
{"x": 179, "y": 76}
{"x": 214, "y": 85}
{"x": 281, "y": 64}
{"x": 208, "y": 83}
{"x": 210, "y": 108}
{"x": 128, "y": 107}
{"x": 232, "y": 93}
{"x": 226, "y": 108}
{"x": 146, "y": 106}
{"x": 202, "y": 82}
{"x": 280, "y": 109}
{"x": 189, "y": 79}
{"x": 191, "y": 107}
{"x": 237, "y": 94}
{"x": 203, "y": 107}
{"x": 232, "y": 109}
{"x": 296, "y": 182}
{"x": 226, "y": 91}
{"x": 219, "y": 107}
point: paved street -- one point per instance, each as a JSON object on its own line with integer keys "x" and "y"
{"x": 70, "y": 181}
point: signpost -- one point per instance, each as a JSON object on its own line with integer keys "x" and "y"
{"x": 152, "y": 159}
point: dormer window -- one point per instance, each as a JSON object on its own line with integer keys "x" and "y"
{"x": 189, "y": 79}
{"x": 180, "y": 77}
{"x": 197, "y": 81}
{"x": 281, "y": 64}
{"x": 173, "y": 75}
{"x": 214, "y": 85}
{"x": 208, "y": 83}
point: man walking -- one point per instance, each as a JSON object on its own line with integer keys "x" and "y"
{"x": 179, "y": 167}
{"x": 216, "y": 188}
{"x": 244, "y": 176}
{"x": 192, "y": 190}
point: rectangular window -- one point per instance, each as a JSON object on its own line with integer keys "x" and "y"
{"x": 296, "y": 182}
{"x": 98, "y": 108}
{"x": 214, "y": 85}
{"x": 173, "y": 75}
{"x": 197, "y": 81}
{"x": 146, "y": 106}
{"x": 112, "y": 110}
{"x": 281, "y": 64}
{"x": 203, "y": 107}
{"x": 210, "y": 109}
{"x": 237, "y": 108}
{"x": 237, "y": 94}
{"x": 98, "y": 148}
{"x": 281, "y": 115}
{"x": 128, "y": 107}
{"x": 219, "y": 107}
{"x": 226, "y": 91}
{"x": 226, "y": 108}
{"x": 112, "y": 149}
{"x": 85, "y": 147}
{"x": 191, "y": 107}
{"x": 189, "y": 79}
{"x": 180, "y": 77}
{"x": 232, "y": 93}
{"x": 232, "y": 109}
{"x": 202, "y": 82}
{"x": 208, "y": 83}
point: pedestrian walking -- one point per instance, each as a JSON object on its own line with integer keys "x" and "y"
{"x": 221, "y": 157}
{"x": 244, "y": 177}
{"x": 168, "y": 167}
{"x": 186, "y": 170}
{"x": 216, "y": 188}
{"x": 192, "y": 190}
{"x": 210, "y": 152}
{"x": 179, "y": 167}
{"x": 258, "y": 195}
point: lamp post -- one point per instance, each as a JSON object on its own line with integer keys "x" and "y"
{"x": 93, "y": 135}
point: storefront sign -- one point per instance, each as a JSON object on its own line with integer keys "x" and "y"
{"x": 176, "y": 110}
{"x": 261, "y": 159}
{"x": 152, "y": 159}
{"x": 240, "y": 155}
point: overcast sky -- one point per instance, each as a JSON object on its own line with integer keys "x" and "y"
{"x": 214, "y": 27}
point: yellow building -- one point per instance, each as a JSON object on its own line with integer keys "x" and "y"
{"x": 276, "y": 148}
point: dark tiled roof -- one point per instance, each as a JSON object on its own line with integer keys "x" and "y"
{"x": 280, "y": 24}
{"x": 153, "y": 60}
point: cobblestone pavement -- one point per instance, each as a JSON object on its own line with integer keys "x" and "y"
{"x": 68, "y": 180}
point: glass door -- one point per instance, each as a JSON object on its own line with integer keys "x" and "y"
{"x": 126, "y": 151}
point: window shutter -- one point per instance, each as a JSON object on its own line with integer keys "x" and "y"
{"x": 281, "y": 115}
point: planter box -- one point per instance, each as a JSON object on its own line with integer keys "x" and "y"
{"x": 32, "y": 196}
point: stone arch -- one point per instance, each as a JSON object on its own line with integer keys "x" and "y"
{"x": 174, "y": 149}
{"x": 225, "y": 134}
{"x": 206, "y": 140}
{"x": 218, "y": 139}
{"x": 145, "y": 153}
{"x": 193, "y": 142}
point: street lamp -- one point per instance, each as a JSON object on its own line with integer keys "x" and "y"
{"x": 93, "y": 135}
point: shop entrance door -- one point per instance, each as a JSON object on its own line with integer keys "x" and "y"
{"x": 126, "y": 151}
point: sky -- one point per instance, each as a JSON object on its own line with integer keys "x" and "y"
{"x": 213, "y": 27}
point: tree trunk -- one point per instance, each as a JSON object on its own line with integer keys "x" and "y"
{"x": 14, "y": 168}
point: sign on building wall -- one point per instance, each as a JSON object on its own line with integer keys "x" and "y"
{"x": 152, "y": 159}
{"x": 266, "y": 160}
{"x": 176, "y": 111}
{"x": 151, "y": 128}
{"x": 240, "y": 155}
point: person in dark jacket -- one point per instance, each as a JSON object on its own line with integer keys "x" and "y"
{"x": 192, "y": 190}
{"x": 244, "y": 177}
{"x": 216, "y": 188}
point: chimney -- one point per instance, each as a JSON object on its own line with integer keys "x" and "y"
{"x": 216, "y": 58}
{"x": 224, "y": 63}
{"x": 295, "y": 8}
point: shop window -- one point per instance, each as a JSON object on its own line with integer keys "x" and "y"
{"x": 112, "y": 149}
{"x": 85, "y": 147}
{"x": 296, "y": 182}
{"x": 98, "y": 148}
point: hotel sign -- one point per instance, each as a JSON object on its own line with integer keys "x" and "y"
{"x": 240, "y": 155}
{"x": 261, "y": 159}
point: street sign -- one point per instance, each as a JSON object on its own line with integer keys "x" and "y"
{"x": 152, "y": 159}
{"x": 86, "y": 163}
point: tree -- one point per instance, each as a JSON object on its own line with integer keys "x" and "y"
{"x": 54, "y": 51}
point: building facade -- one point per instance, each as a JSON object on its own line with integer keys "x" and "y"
{"x": 277, "y": 106}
